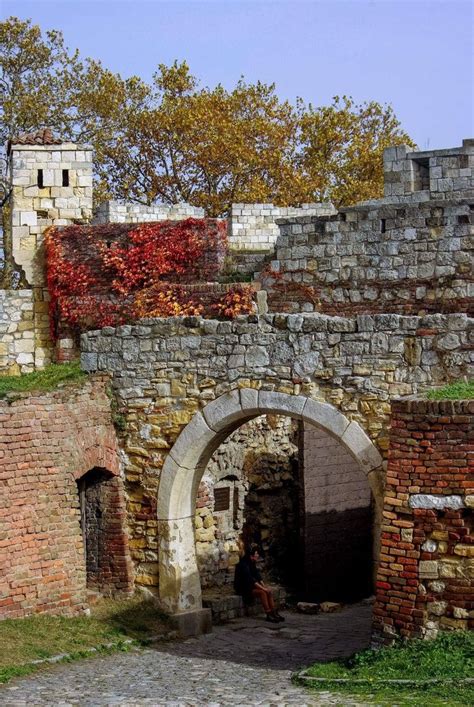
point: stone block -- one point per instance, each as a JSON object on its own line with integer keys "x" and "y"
{"x": 361, "y": 447}
{"x": 223, "y": 411}
{"x": 28, "y": 218}
{"x": 305, "y": 607}
{"x": 193, "y": 623}
{"x": 428, "y": 569}
{"x": 326, "y": 417}
{"x": 430, "y": 501}
{"x": 281, "y": 403}
{"x": 329, "y": 607}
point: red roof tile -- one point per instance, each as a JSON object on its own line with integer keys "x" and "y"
{"x": 38, "y": 137}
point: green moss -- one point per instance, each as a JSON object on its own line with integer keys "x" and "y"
{"x": 460, "y": 390}
{"x": 47, "y": 379}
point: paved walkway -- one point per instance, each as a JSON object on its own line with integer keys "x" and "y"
{"x": 245, "y": 662}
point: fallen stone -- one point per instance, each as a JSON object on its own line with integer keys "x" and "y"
{"x": 307, "y": 607}
{"x": 328, "y": 607}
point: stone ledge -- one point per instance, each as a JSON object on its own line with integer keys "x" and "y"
{"x": 225, "y": 607}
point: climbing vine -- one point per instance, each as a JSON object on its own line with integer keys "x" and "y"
{"x": 111, "y": 274}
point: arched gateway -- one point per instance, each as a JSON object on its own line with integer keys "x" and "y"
{"x": 179, "y": 587}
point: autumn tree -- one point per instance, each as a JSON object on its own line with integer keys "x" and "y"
{"x": 342, "y": 149}
{"x": 173, "y": 140}
{"x": 44, "y": 84}
{"x": 207, "y": 147}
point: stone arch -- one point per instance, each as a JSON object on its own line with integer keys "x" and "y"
{"x": 179, "y": 582}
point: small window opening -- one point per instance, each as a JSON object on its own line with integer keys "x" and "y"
{"x": 40, "y": 179}
{"x": 235, "y": 508}
{"x": 343, "y": 217}
{"x": 383, "y": 225}
{"x": 65, "y": 177}
{"x": 421, "y": 174}
{"x": 222, "y": 499}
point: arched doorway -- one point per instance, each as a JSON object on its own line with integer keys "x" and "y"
{"x": 104, "y": 539}
{"x": 179, "y": 588}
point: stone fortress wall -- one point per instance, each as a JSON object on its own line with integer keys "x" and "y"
{"x": 410, "y": 252}
{"x": 119, "y": 212}
{"x": 254, "y": 227}
{"x": 165, "y": 370}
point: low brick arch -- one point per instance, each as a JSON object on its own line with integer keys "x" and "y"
{"x": 179, "y": 587}
{"x": 95, "y": 449}
{"x": 105, "y": 542}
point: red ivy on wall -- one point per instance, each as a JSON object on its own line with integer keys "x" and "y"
{"x": 107, "y": 275}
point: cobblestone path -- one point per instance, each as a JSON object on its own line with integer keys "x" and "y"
{"x": 245, "y": 662}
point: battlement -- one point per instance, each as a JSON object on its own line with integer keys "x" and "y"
{"x": 443, "y": 173}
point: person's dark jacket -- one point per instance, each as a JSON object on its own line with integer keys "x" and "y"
{"x": 246, "y": 575}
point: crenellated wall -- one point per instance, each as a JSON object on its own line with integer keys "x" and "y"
{"x": 405, "y": 258}
{"x": 440, "y": 173}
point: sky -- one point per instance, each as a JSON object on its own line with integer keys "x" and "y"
{"x": 416, "y": 55}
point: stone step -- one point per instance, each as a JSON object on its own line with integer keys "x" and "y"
{"x": 225, "y": 607}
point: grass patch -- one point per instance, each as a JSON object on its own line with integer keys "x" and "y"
{"x": 38, "y": 637}
{"x": 461, "y": 390}
{"x": 450, "y": 658}
{"x": 47, "y": 379}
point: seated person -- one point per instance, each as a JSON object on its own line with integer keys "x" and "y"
{"x": 249, "y": 584}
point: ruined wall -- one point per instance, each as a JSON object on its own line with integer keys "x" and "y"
{"x": 426, "y": 567}
{"x": 337, "y": 522}
{"x": 165, "y": 370}
{"x": 254, "y": 227}
{"x": 441, "y": 172}
{"x": 402, "y": 258}
{"x": 117, "y": 212}
{"x": 47, "y": 442}
{"x": 17, "y": 344}
{"x": 25, "y": 343}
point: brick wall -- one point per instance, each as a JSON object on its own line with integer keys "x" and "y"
{"x": 424, "y": 581}
{"x": 48, "y": 442}
{"x": 337, "y": 521}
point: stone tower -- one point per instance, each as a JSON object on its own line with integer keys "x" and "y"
{"x": 51, "y": 186}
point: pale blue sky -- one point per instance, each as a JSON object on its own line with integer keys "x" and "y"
{"x": 415, "y": 54}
